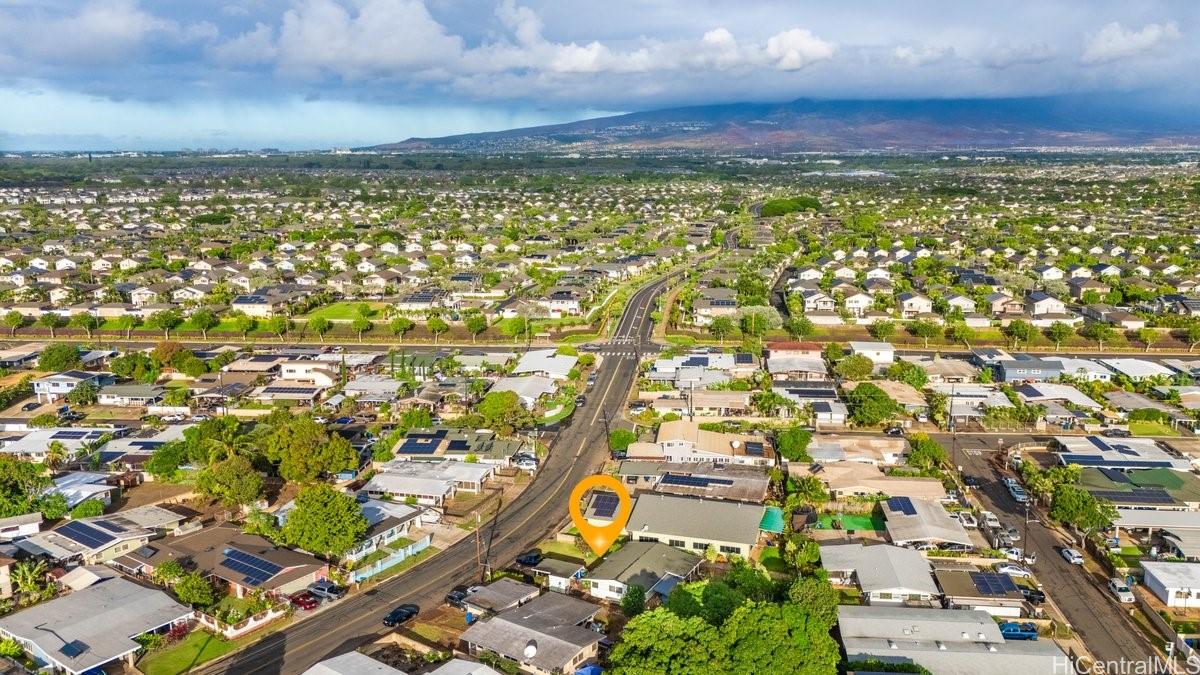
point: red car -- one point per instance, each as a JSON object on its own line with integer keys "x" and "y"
{"x": 305, "y": 600}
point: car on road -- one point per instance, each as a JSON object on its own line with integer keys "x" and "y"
{"x": 1014, "y": 570}
{"x": 305, "y": 600}
{"x": 972, "y": 481}
{"x": 1013, "y": 533}
{"x": 1116, "y": 433}
{"x": 590, "y": 347}
{"x": 989, "y": 519}
{"x": 1010, "y": 482}
{"x": 325, "y": 588}
{"x": 894, "y": 431}
{"x": 1120, "y": 591}
{"x": 580, "y": 400}
{"x": 530, "y": 558}
{"x": 1017, "y": 554}
{"x": 401, "y": 614}
{"x": 32, "y": 405}
{"x": 344, "y": 420}
{"x": 1072, "y": 556}
{"x": 1018, "y": 494}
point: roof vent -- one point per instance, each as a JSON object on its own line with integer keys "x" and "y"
{"x": 892, "y": 644}
{"x": 991, "y": 648}
{"x": 982, "y": 636}
{"x": 941, "y": 647}
{"x": 966, "y": 635}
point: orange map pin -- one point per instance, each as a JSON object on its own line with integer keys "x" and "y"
{"x": 600, "y": 537}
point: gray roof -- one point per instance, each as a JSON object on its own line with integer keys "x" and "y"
{"x": 101, "y": 620}
{"x": 696, "y": 518}
{"x": 352, "y": 663}
{"x": 463, "y": 667}
{"x": 644, "y": 563}
{"x": 552, "y": 621}
{"x": 881, "y": 568}
{"x": 501, "y": 594}
{"x": 929, "y": 523}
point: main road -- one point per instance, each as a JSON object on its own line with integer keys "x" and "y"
{"x": 579, "y": 450}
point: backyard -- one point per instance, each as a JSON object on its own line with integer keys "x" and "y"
{"x": 198, "y": 647}
{"x": 850, "y": 522}
{"x": 1150, "y": 428}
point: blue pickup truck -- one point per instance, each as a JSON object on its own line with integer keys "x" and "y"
{"x": 1011, "y": 630}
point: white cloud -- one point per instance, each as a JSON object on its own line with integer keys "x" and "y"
{"x": 920, "y": 55}
{"x": 249, "y": 48}
{"x": 797, "y": 48}
{"x": 1014, "y": 55}
{"x": 1115, "y": 41}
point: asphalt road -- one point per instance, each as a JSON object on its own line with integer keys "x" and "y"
{"x": 578, "y": 451}
{"x": 1102, "y": 623}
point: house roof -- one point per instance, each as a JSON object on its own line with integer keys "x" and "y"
{"x": 90, "y": 627}
{"x": 551, "y": 620}
{"x": 696, "y": 518}
{"x": 921, "y": 520}
{"x": 881, "y": 568}
{"x": 644, "y": 562}
{"x": 352, "y": 663}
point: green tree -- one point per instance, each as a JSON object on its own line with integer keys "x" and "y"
{"x": 1078, "y": 507}
{"x": 762, "y": 637}
{"x": 324, "y": 521}
{"x": 620, "y": 439}
{"x": 854, "y": 367}
{"x": 59, "y": 356}
{"x": 1058, "y": 332}
{"x": 167, "y": 572}
{"x": 909, "y": 373}
{"x": 320, "y": 325}
{"x": 84, "y": 393}
{"x": 633, "y": 602}
{"x": 792, "y": 444}
{"x": 166, "y": 459}
{"x": 85, "y": 322}
{"x": 515, "y": 327}
{"x": 401, "y": 325}
{"x": 1018, "y": 331}
{"x": 924, "y": 330}
{"x": 476, "y": 324}
{"x": 437, "y": 325}
{"x": 88, "y": 508}
{"x": 167, "y": 320}
{"x": 194, "y": 590}
{"x": 1147, "y": 336}
{"x": 1191, "y": 334}
{"x": 926, "y": 453}
{"x": 14, "y": 320}
{"x": 233, "y": 480}
{"x": 127, "y": 322}
{"x": 800, "y": 327}
{"x": 305, "y": 451}
{"x": 882, "y": 330}
{"x": 280, "y": 326}
{"x": 205, "y": 320}
{"x": 869, "y": 405}
{"x": 721, "y": 327}
{"x": 960, "y": 332}
{"x": 52, "y": 321}
{"x": 659, "y": 641}
{"x": 1099, "y": 332}
{"x": 502, "y": 411}
{"x": 244, "y": 323}
{"x": 360, "y": 325}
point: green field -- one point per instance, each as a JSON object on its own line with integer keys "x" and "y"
{"x": 344, "y": 311}
{"x": 186, "y": 654}
{"x": 851, "y": 522}
{"x": 1149, "y": 428}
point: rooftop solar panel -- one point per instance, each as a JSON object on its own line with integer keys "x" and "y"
{"x": 84, "y": 534}
{"x": 1114, "y": 475}
{"x": 604, "y": 504}
{"x": 992, "y": 583}
{"x": 1138, "y": 496}
{"x": 108, "y": 525}
{"x": 459, "y": 444}
{"x": 755, "y": 449}
{"x": 68, "y": 435}
{"x": 902, "y": 505}
{"x": 693, "y": 481}
{"x": 742, "y": 358}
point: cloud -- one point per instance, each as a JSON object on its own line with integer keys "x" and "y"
{"x": 250, "y": 48}
{"x": 1014, "y": 55}
{"x": 798, "y": 48}
{"x": 921, "y": 55}
{"x": 1115, "y": 41}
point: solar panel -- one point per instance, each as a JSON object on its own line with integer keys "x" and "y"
{"x": 1093, "y": 460}
{"x": 290, "y": 390}
{"x": 754, "y": 448}
{"x": 604, "y": 504}
{"x": 68, "y": 435}
{"x": 693, "y": 481}
{"x": 257, "y": 570}
{"x": 85, "y": 535}
{"x": 902, "y": 505}
{"x": 1138, "y": 496}
{"x": 1114, "y": 475}
{"x": 459, "y": 444}
{"x": 993, "y": 583}
{"x": 742, "y": 358}
{"x": 108, "y": 525}
{"x": 73, "y": 648}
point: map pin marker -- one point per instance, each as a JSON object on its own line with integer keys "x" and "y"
{"x": 600, "y": 538}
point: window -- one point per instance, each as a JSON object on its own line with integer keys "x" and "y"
{"x": 677, "y": 543}
{"x": 731, "y": 549}
{"x": 700, "y": 546}
{"x": 640, "y": 538}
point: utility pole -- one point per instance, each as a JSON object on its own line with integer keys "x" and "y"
{"x": 479, "y": 546}
{"x": 607, "y": 433}
{"x": 1025, "y": 547}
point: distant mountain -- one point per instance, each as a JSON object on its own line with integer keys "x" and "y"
{"x": 811, "y": 125}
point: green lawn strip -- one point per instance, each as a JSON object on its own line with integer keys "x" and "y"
{"x": 343, "y": 311}
{"x": 198, "y": 647}
{"x": 568, "y": 407}
{"x": 1150, "y": 428}
{"x": 405, "y": 564}
{"x": 771, "y": 559}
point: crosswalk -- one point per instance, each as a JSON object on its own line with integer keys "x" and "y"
{"x": 621, "y": 354}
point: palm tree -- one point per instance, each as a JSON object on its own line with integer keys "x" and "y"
{"x": 29, "y": 576}
{"x": 56, "y": 455}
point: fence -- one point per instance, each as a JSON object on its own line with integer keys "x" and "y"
{"x": 364, "y": 573}
{"x": 247, "y": 625}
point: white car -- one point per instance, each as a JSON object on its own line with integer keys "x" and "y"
{"x": 967, "y": 519}
{"x": 1014, "y": 570}
{"x": 1120, "y": 590}
{"x": 1016, "y": 554}
{"x": 1010, "y": 482}
{"x": 1072, "y": 556}
{"x": 1018, "y": 494}
{"x": 990, "y": 519}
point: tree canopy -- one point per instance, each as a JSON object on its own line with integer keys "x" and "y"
{"x": 324, "y": 521}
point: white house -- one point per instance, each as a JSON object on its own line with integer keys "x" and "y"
{"x": 879, "y": 352}
{"x": 1176, "y": 584}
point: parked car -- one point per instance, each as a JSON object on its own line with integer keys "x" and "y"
{"x": 894, "y": 431}
{"x": 305, "y": 600}
{"x": 1017, "y": 554}
{"x": 456, "y": 597}
{"x": 1072, "y": 556}
{"x": 32, "y": 405}
{"x": 1032, "y": 595}
{"x": 530, "y": 558}
{"x": 967, "y": 519}
{"x": 972, "y": 481}
{"x": 1013, "y": 533}
{"x": 400, "y": 615}
{"x": 326, "y": 589}
{"x": 1010, "y": 482}
{"x": 1014, "y": 570}
{"x": 1011, "y": 630}
{"x": 343, "y": 420}
{"x": 989, "y": 519}
{"x": 526, "y": 464}
{"x": 580, "y": 400}
{"x": 1120, "y": 591}
{"x": 1018, "y": 494}
{"x": 1116, "y": 433}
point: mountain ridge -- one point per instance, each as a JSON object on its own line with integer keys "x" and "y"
{"x": 845, "y": 125}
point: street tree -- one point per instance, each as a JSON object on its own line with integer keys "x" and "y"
{"x": 324, "y": 521}
{"x": 1058, "y": 332}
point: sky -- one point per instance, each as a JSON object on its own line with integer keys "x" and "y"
{"x": 313, "y": 74}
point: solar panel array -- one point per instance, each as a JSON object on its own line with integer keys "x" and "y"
{"x": 695, "y": 362}
{"x": 290, "y": 390}
{"x": 69, "y": 435}
{"x": 993, "y": 583}
{"x": 743, "y": 358}
{"x": 1093, "y": 460}
{"x": 459, "y": 445}
{"x": 902, "y": 505}
{"x": 693, "y": 481}
{"x": 1115, "y": 476}
{"x": 86, "y": 535}
{"x": 1136, "y": 496}
{"x": 604, "y": 504}
{"x": 754, "y": 448}
{"x": 108, "y": 525}
{"x": 257, "y": 570}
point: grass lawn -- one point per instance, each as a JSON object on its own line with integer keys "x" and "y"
{"x": 851, "y": 522}
{"x": 343, "y": 311}
{"x": 564, "y": 550}
{"x": 567, "y": 408}
{"x": 405, "y": 564}
{"x": 1148, "y": 428}
{"x": 374, "y": 557}
{"x": 771, "y": 560}
{"x": 849, "y": 596}
{"x": 186, "y": 654}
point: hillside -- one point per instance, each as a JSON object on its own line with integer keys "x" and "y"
{"x": 809, "y": 125}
